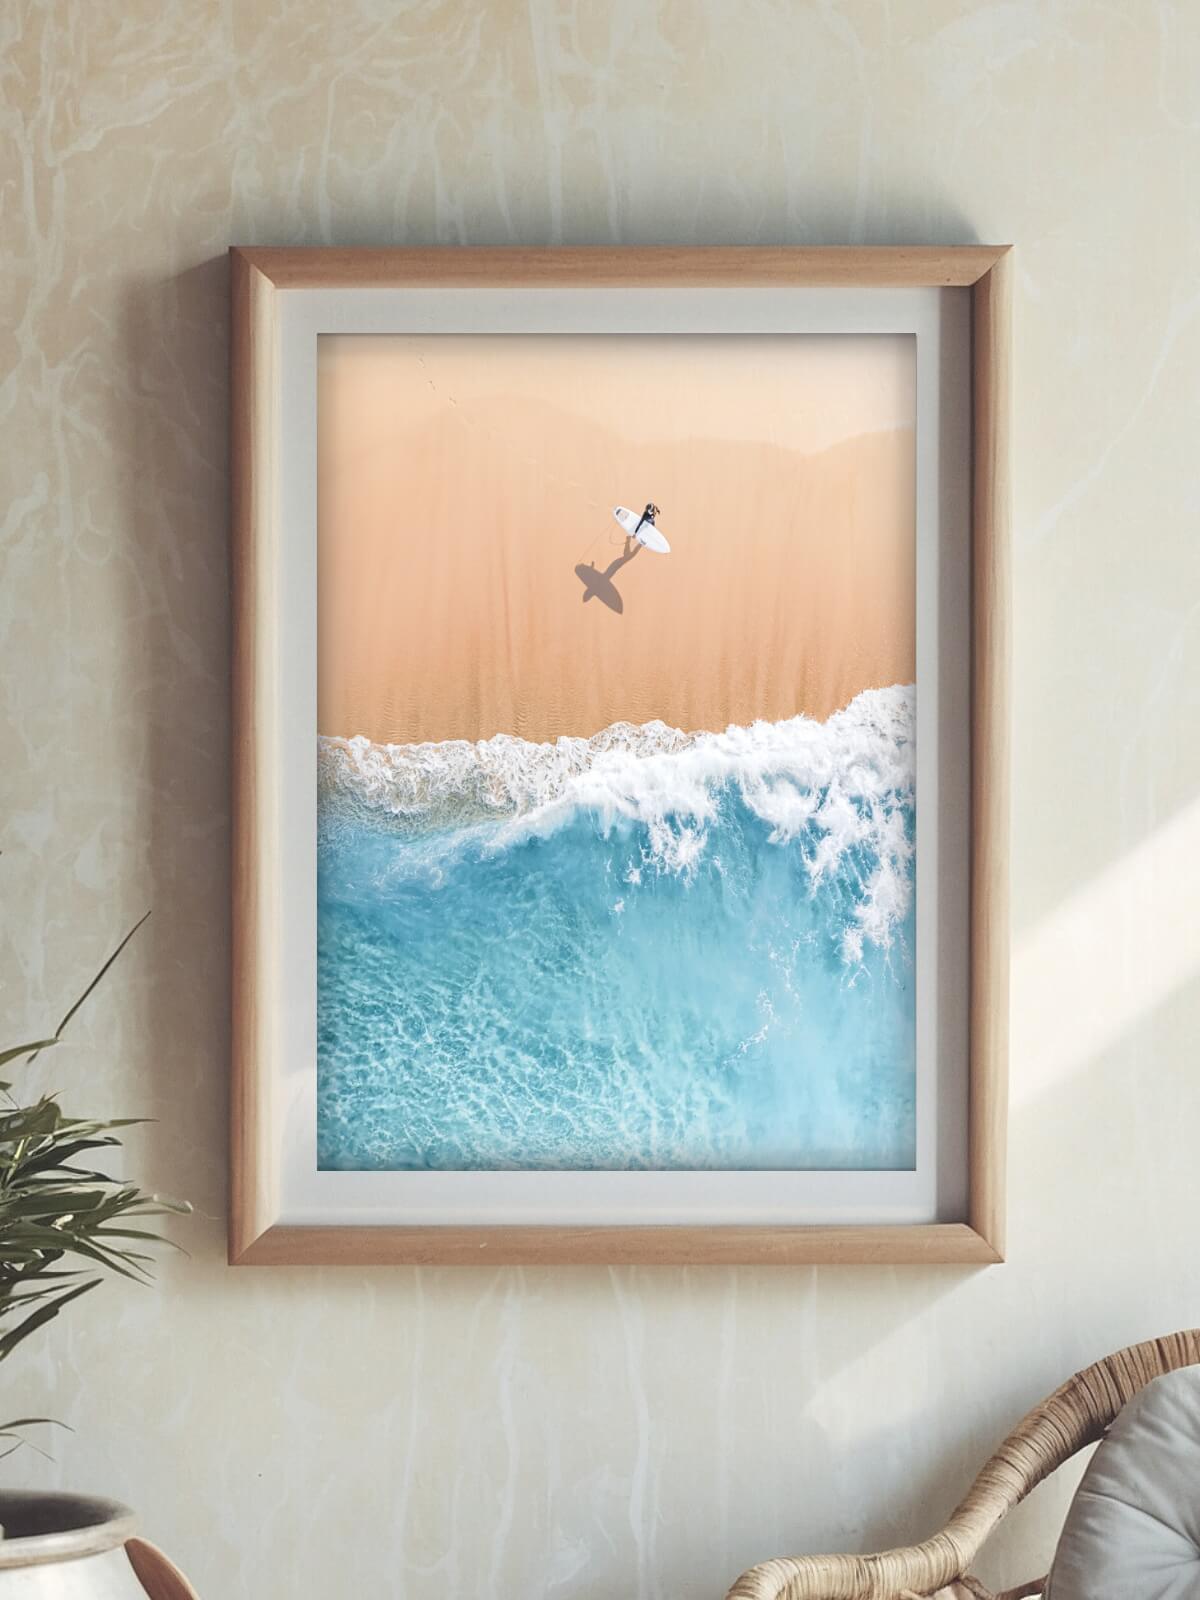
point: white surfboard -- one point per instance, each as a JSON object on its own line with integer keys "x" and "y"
{"x": 647, "y": 534}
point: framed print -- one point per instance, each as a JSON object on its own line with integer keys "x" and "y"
{"x": 621, "y": 755}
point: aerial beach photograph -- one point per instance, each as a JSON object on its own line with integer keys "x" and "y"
{"x": 616, "y": 712}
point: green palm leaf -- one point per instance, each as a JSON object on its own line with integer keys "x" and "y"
{"x": 63, "y": 1227}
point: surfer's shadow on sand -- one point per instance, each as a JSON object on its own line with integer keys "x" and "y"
{"x": 599, "y": 585}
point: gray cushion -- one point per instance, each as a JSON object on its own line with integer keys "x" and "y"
{"x": 1133, "y": 1530}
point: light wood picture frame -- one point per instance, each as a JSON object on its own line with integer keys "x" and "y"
{"x": 267, "y": 587}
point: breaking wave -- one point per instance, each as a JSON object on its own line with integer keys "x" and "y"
{"x": 835, "y": 792}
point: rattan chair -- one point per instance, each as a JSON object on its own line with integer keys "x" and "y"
{"x": 1075, "y": 1415}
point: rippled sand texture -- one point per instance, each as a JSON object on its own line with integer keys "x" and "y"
{"x": 473, "y": 581}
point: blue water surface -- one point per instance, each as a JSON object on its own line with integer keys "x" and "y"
{"x": 565, "y": 1001}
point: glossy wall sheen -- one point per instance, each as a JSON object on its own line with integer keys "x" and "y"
{"x": 607, "y": 1435}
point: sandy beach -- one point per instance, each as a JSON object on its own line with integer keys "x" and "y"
{"x": 472, "y": 579}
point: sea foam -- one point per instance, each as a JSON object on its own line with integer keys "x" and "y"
{"x": 839, "y": 792}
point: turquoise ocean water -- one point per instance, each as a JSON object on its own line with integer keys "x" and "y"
{"x": 648, "y": 949}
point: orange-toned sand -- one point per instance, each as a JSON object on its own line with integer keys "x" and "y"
{"x": 472, "y": 579}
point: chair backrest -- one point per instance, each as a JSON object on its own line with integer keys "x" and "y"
{"x": 1075, "y": 1415}
{"x": 1133, "y": 1527}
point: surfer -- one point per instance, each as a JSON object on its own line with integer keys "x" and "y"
{"x": 648, "y": 515}
{"x": 642, "y": 530}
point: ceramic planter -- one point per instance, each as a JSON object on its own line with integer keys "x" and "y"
{"x": 65, "y": 1547}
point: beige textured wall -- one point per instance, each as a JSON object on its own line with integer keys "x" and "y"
{"x": 587, "y": 1433}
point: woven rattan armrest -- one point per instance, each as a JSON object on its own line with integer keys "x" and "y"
{"x": 1075, "y": 1415}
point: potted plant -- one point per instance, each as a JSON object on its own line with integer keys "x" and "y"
{"x": 66, "y": 1223}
